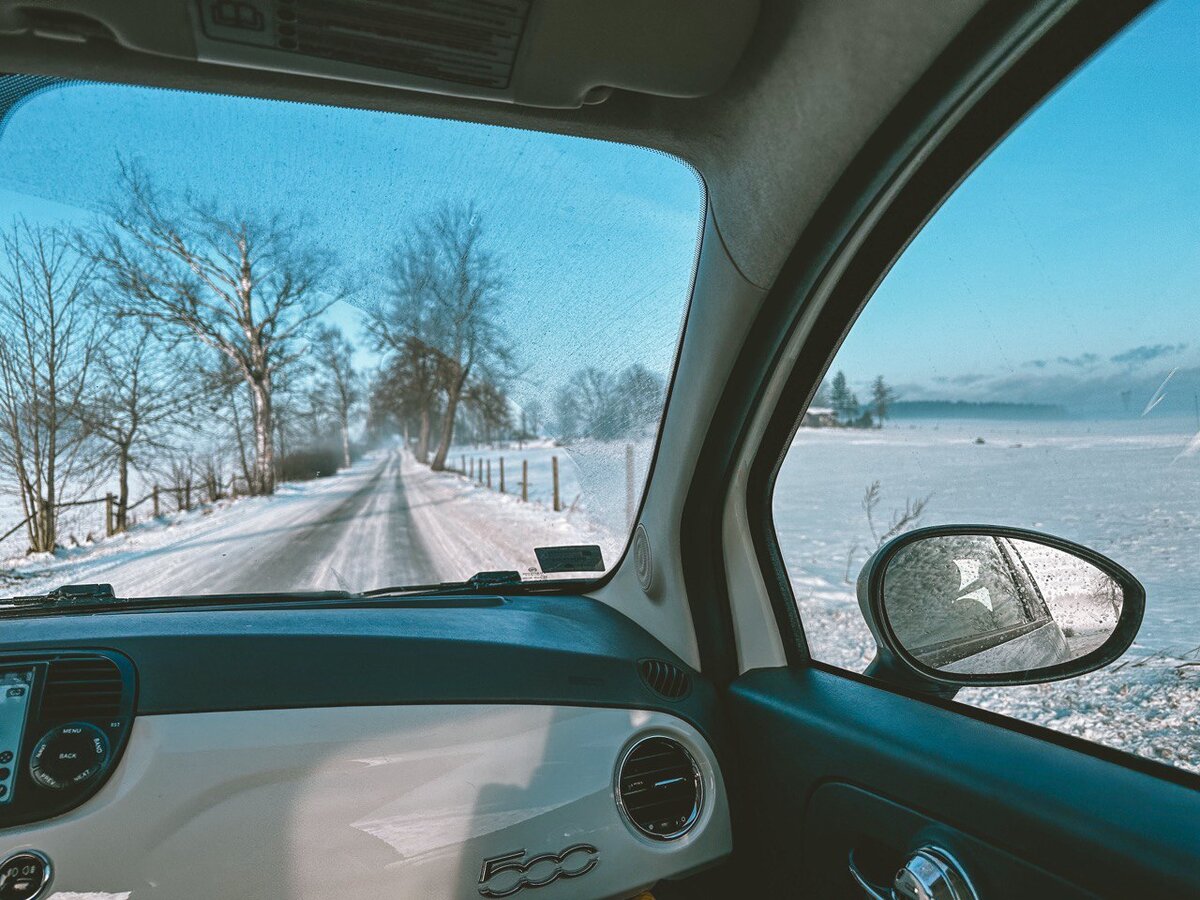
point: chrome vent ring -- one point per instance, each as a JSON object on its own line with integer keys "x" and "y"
{"x": 660, "y": 789}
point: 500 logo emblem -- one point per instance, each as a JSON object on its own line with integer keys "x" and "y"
{"x": 518, "y": 872}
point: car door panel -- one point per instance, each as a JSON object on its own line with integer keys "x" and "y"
{"x": 995, "y": 794}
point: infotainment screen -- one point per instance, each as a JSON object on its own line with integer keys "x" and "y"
{"x": 16, "y": 688}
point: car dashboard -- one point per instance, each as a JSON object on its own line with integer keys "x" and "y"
{"x": 417, "y": 747}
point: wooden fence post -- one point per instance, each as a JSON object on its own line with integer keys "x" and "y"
{"x": 463, "y": 469}
{"x": 525, "y": 480}
{"x": 108, "y": 514}
{"x": 502, "y": 474}
{"x": 489, "y": 473}
{"x": 554, "y": 469}
{"x": 154, "y": 495}
{"x": 472, "y": 475}
{"x": 630, "y": 501}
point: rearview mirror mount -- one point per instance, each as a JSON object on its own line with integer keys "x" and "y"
{"x": 973, "y": 605}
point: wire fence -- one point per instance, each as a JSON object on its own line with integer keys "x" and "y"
{"x": 160, "y": 500}
{"x": 499, "y": 473}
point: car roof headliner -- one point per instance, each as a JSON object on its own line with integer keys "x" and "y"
{"x": 816, "y": 80}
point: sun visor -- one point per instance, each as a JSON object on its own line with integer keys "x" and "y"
{"x": 548, "y": 53}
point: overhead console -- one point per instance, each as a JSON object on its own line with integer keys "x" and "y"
{"x": 64, "y": 721}
{"x": 558, "y": 54}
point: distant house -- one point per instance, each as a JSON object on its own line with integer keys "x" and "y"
{"x": 819, "y": 417}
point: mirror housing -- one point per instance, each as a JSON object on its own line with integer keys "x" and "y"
{"x": 983, "y": 555}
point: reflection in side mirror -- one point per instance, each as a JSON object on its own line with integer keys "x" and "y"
{"x": 980, "y": 605}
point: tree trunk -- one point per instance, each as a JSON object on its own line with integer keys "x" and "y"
{"x": 49, "y": 526}
{"x": 345, "y": 443}
{"x": 423, "y": 437}
{"x": 452, "y": 397}
{"x": 264, "y": 438}
{"x": 123, "y": 488}
{"x": 241, "y": 445}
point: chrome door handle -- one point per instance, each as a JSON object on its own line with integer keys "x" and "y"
{"x": 931, "y": 873}
{"x": 873, "y": 892}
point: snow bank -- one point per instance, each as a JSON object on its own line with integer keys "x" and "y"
{"x": 467, "y": 528}
{"x": 207, "y": 550}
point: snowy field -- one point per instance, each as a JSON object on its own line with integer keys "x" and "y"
{"x": 1126, "y": 489}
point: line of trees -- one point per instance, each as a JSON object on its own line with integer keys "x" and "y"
{"x": 181, "y": 339}
{"x": 848, "y": 410}
{"x": 172, "y": 338}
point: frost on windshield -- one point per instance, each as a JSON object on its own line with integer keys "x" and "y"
{"x": 254, "y": 346}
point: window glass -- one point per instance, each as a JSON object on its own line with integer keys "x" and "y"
{"x": 1033, "y": 360}
{"x": 249, "y": 345}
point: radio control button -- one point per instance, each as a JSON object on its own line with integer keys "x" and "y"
{"x": 68, "y": 756}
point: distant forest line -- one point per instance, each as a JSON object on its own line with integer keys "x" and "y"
{"x": 966, "y": 409}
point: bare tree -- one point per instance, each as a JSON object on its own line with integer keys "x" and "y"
{"x": 587, "y": 405}
{"x": 531, "y": 419}
{"x": 443, "y": 319}
{"x": 900, "y": 521}
{"x": 49, "y": 339}
{"x": 142, "y": 390}
{"x": 339, "y": 386}
{"x": 227, "y": 407}
{"x": 243, "y": 285}
{"x": 490, "y": 406}
{"x": 640, "y": 394}
{"x": 468, "y": 304}
{"x": 403, "y": 324}
{"x": 882, "y": 398}
{"x": 598, "y": 405}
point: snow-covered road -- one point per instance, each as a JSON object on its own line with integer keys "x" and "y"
{"x": 350, "y": 532}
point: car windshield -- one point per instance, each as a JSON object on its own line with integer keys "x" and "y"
{"x": 252, "y": 345}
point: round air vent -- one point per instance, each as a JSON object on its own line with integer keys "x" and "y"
{"x": 659, "y": 788}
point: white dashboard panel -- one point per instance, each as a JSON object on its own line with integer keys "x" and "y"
{"x": 371, "y": 802}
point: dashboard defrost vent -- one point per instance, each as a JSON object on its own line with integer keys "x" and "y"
{"x": 665, "y": 679}
{"x": 82, "y": 689}
{"x": 659, "y": 788}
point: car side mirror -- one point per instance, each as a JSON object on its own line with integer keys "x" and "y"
{"x": 953, "y": 606}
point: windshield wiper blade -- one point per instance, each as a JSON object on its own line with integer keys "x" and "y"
{"x": 480, "y": 582}
{"x": 67, "y": 595}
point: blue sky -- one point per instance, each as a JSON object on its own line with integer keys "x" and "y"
{"x": 601, "y": 238}
{"x": 1074, "y": 243}
{"x": 1065, "y": 269}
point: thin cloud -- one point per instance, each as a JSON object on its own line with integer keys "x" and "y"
{"x": 1138, "y": 356}
{"x": 1082, "y": 361}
